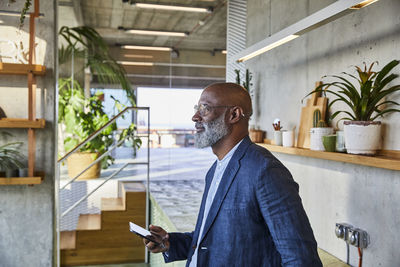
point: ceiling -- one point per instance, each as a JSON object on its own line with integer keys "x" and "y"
{"x": 196, "y": 59}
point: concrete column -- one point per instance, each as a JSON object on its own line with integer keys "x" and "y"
{"x": 28, "y": 213}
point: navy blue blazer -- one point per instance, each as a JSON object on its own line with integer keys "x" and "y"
{"x": 256, "y": 218}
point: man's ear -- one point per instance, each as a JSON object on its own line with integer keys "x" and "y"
{"x": 236, "y": 114}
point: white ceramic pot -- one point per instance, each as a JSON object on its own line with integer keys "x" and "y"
{"x": 362, "y": 137}
{"x": 278, "y": 138}
{"x": 316, "y": 137}
{"x": 288, "y": 138}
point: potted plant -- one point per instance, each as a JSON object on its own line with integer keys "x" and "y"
{"x": 318, "y": 131}
{"x": 367, "y": 100}
{"x": 11, "y": 158}
{"x": 80, "y": 118}
{"x": 256, "y": 135}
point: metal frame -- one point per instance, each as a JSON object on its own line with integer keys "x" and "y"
{"x": 92, "y": 136}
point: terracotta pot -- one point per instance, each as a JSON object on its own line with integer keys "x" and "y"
{"x": 257, "y": 136}
{"x": 78, "y": 161}
{"x": 362, "y": 137}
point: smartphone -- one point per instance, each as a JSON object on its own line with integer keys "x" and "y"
{"x": 140, "y": 231}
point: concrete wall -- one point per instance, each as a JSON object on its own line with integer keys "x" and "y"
{"x": 27, "y": 213}
{"x": 331, "y": 191}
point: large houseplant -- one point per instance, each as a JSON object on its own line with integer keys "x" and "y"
{"x": 367, "y": 100}
{"x": 80, "y": 118}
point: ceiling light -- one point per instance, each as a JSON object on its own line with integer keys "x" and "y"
{"x": 172, "y": 7}
{"x": 10, "y": 13}
{"x": 363, "y": 4}
{"x": 223, "y": 52}
{"x": 268, "y": 47}
{"x": 15, "y": 13}
{"x": 1, "y": 22}
{"x": 138, "y": 56}
{"x": 161, "y": 33}
{"x": 315, "y": 20}
{"x": 131, "y": 63}
{"x": 138, "y": 47}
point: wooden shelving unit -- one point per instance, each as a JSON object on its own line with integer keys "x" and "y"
{"x": 22, "y": 123}
{"x": 385, "y": 159}
{"x": 31, "y": 70}
{"x": 20, "y": 180}
{"x": 22, "y": 69}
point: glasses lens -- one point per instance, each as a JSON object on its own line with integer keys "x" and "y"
{"x": 202, "y": 109}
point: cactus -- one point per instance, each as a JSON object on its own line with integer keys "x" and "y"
{"x": 317, "y": 122}
{"x": 237, "y": 76}
{"x": 316, "y": 117}
{"x": 321, "y": 124}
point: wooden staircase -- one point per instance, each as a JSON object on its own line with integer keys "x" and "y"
{"x": 105, "y": 238}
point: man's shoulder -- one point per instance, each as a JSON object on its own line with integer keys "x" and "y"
{"x": 259, "y": 153}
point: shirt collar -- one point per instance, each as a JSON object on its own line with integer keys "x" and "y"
{"x": 230, "y": 153}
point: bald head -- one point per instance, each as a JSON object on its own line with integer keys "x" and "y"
{"x": 231, "y": 94}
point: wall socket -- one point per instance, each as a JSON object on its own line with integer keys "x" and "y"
{"x": 352, "y": 235}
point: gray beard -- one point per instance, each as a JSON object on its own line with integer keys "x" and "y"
{"x": 213, "y": 132}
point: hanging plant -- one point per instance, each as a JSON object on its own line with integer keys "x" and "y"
{"x": 24, "y": 11}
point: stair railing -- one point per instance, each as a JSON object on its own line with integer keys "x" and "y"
{"x": 91, "y": 137}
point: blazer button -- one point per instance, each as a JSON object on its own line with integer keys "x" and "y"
{"x": 194, "y": 247}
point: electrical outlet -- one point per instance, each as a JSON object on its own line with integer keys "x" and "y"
{"x": 342, "y": 230}
{"x": 358, "y": 238}
{"x": 353, "y": 236}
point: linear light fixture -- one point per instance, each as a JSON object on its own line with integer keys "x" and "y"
{"x": 15, "y": 13}
{"x": 315, "y": 20}
{"x": 1, "y": 22}
{"x": 139, "y": 47}
{"x": 223, "y": 52}
{"x": 138, "y": 56}
{"x": 363, "y": 4}
{"x": 158, "y": 33}
{"x": 132, "y": 63}
{"x": 173, "y": 7}
{"x": 163, "y": 64}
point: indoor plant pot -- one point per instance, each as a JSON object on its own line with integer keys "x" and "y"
{"x": 318, "y": 131}
{"x": 78, "y": 161}
{"x": 362, "y": 137}
{"x": 367, "y": 101}
{"x": 316, "y": 135}
{"x": 257, "y": 136}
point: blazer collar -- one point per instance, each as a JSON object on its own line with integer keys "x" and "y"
{"x": 226, "y": 181}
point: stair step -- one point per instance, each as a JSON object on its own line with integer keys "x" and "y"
{"x": 133, "y": 187}
{"x": 67, "y": 240}
{"x": 109, "y": 204}
{"x": 89, "y": 222}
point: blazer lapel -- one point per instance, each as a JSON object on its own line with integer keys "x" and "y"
{"x": 209, "y": 177}
{"x": 226, "y": 181}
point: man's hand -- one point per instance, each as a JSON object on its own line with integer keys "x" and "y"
{"x": 159, "y": 235}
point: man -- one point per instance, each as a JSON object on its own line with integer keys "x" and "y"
{"x": 251, "y": 213}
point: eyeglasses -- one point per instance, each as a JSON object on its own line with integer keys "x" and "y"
{"x": 204, "y": 109}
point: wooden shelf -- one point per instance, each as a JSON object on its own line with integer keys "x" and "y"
{"x": 21, "y": 123}
{"x": 20, "y": 180}
{"x": 21, "y": 69}
{"x": 385, "y": 160}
